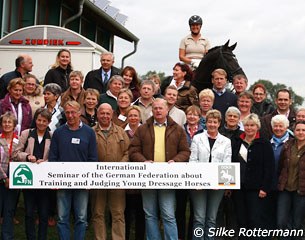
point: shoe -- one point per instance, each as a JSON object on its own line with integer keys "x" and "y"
{"x": 51, "y": 222}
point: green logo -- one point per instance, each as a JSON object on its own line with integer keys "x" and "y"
{"x": 23, "y": 176}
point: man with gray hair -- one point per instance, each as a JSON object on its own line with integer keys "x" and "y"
{"x": 98, "y": 79}
{"x": 24, "y": 64}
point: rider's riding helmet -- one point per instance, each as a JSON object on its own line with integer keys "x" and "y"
{"x": 195, "y": 20}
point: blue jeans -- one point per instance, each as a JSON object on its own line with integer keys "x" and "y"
{"x": 290, "y": 211}
{"x": 9, "y": 199}
{"x": 165, "y": 200}
{"x": 35, "y": 199}
{"x": 78, "y": 199}
{"x": 205, "y": 206}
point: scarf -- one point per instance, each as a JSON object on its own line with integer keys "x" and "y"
{"x": 277, "y": 141}
{"x": 18, "y": 115}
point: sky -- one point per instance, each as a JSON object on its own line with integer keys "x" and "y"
{"x": 270, "y": 35}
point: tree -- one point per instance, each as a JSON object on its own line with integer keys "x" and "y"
{"x": 273, "y": 88}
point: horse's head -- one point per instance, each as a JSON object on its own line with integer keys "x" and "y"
{"x": 217, "y": 57}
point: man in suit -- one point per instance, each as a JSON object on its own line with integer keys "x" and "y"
{"x": 98, "y": 79}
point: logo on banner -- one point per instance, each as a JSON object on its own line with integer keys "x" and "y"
{"x": 226, "y": 175}
{"x": 23, "y": 176}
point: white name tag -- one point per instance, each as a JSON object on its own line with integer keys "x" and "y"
{"x": 75, "y": 141}
{"x": 122, "y": 117}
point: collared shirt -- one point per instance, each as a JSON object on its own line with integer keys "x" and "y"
{"x": 160, "y": 124}
{"x": 174, "y": 83}
{"x": 219, "y": 93}
{"x": 108, "y": 75}
{"x": 79, "y": 126}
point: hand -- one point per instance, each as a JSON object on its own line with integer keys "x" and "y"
{"x": 39, "y": 161}
{"x": 262, "y": 194}
{"x": 31, "y": 158}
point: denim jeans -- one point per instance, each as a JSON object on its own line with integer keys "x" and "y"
{"x": 205, "y": 205}
{"x": 9, "y": 199}
{"x": 36, "y": 200}
{"x": 290, "y": 211}
{"x": 165, "y": 201}
{"x": 78, "y": 199}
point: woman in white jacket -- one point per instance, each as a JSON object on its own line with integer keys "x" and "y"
{"x": 210, "y": 147}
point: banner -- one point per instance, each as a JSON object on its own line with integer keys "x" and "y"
{"x": 127, "y": 175}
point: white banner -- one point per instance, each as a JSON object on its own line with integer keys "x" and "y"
{"x": 129, "y": 175}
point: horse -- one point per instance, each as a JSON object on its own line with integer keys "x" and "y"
{"x": 217, "y": 57}
{"x": 227, "y": 177}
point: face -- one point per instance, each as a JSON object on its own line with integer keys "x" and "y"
{"x": 250, "y": 128}
{"x": 16, "y": 92}
{"x": 90, "y": 101}
{"x": 133, "y": 117}
{"x": 104, "y": 116}
{"x": 244, "y": 104}
{"x": 232, "y": 120}
{"x": 127, "y": 76}
{"x": 30, "y": 85}
{"x": 64, "y": 59}
{"x": 7, "y": 125}
{"x": 300, "y": 115}
{"x": 160, "y": 111}
{"x": 178, "y": 74}
{"x": 283, "y": 101}
{"x": 41, "y": 123}
{"x": 206, "y": 104}
{"x": 75, "y": 82}
{"x": 72, "y": 115}
{"x": 157, "y": 85}
{"x": 49, "y": 97}
{"x": 195, "y": 28}
{"x": 259, "y": 95}
{"x": 279, "y": 129}
{"x": 299, "y": 132}
{"x": 115, "y": 87}
{"x": 192, "y": 118}
{"x": 212, "y": 125}
{"x": 219, "y": 81}
{"x": 171, "y": 96}
{"x": 28, "y": 64}
{"x": 240, "y": 85}
{"x": 124, "y": 100}
{"x": 106, "y": 62}
{"x": 146, "y": 91}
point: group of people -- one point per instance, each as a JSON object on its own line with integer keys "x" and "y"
{"x": 111, "y": 116}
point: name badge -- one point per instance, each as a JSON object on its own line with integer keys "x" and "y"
{"x": 122, "y": 117}
{"x": 75, "y": 141}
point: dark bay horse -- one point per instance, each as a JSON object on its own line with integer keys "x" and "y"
{"x": 217, "y": 57}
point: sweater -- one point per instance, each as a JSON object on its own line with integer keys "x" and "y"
{"x": 73, "y": 145}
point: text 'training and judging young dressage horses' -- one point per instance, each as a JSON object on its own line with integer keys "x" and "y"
{"x": 217, "y": 57}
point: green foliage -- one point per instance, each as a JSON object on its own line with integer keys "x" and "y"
{"x": 273, "y": 88}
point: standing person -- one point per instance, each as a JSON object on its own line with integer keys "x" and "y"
{"x": 114, "y": 86}
{"x": 134, "y": 205}
{"x": 256, "y": 159}
{"x": 89, "y": 110}
{"x": 283, "y": 103}
{"x": 73, "y": 142}
{"x": 112, "y": 146}
{"x": 124, "y": 102}
{"x": 261, "y": 106}
{"x": 98, "y": 79}
{"x": 240, "y": 83}
{"x": 59, "y": 73}
{"x": 144, "y": 102}
{"x": 14, "y": 102}
{"x": 8, "y": 197}
{"x": 75, "y": 91}
{"x": 160, "y": 139}
{"x": 34, "y": 147}
{"x": 300, "y": 114}
{"x": 51, "y": 93}
{"x": 210, "y": 147}
{"x": 182, "y": 77}
{"x": 131, "y": 81}
{"x": 194, "y": 46}
{"x": 24, "y": 65}
{"x": 171, "y": 96}
{"x": 244, "y": 104}
{"x": 206, "y": 101}
{"x": 223, "y": 97}
{"x": 291, "y": 198}
{"x": 33, "y": 92}
{"x": 156, "y": 79}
